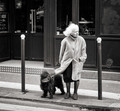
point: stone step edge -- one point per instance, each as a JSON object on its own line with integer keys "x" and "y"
{"x": 88, "y": 74}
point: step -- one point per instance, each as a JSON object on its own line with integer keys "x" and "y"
{"x": 28, "y": 70}
{"x": 36, "y": 67}
{"x": 87, "y": 74}
{"x": 106, "y": 75}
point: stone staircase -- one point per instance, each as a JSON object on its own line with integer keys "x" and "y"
{"x": 36, "y": 67}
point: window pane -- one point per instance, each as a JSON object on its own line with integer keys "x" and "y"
{"x": 3, "y": 16}
{"x": 87, "y": 17}
{"x": 20, "y": 16}
{"x": 37, "y": 16}
{"x": 64, "y": 15}
{"x": 110, "y": 17}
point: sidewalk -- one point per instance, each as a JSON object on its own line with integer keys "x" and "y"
{"x": 87, "y": 98}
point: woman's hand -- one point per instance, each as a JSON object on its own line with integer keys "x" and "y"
{"x": 76, "y": 60}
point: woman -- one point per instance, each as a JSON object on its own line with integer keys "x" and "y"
{"x": 72, "y": 57}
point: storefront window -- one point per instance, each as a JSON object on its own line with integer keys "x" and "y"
{"x": 87, "y": 17}
{"x": 3, "y": 16}
{"x": 110, "y": 20}
{"x": 64, "y": 15}
{"x": 37, "y": 16}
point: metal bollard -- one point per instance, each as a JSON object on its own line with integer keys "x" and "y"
{"x": 99, "y": 55}
{"x": 23, "y": 62}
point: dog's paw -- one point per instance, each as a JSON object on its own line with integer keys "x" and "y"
{"x": 43, "y": 96}
{"x": 51, "y": 97}
{"x": 62, "y": 93}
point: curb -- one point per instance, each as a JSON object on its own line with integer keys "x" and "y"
{"x": 81, "y": 106}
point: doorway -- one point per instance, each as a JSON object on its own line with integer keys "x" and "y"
{"x": 29, "y": 20}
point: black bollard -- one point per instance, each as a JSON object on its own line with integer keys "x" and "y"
{"x": 99, "y": 68}
{"x": 23, "y": 62}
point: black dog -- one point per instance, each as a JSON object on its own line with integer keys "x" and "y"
{"x": 49, "y": 84}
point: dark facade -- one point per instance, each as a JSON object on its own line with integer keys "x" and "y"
{"x": 43, "y": 21}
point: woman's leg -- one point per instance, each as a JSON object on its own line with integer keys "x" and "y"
{"x": 67, "y": 95}
{"x": 68, "y": 87}
{"x": 76, "y": 85}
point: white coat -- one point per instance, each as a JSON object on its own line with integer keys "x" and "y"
{"x": 76, "y": 55}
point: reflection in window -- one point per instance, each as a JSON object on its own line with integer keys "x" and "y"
{"x": 20, "y": 16}
{"x": 3, "y": 16}
{"x": 110, "y": 17}
{"x": 87, "y": 17}
{"x": 37, "y": 16}
{"x": 64, "y": 15}
{"x": 3, "y": 5}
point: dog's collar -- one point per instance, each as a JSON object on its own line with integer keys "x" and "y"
{"x": 47, "y": 79}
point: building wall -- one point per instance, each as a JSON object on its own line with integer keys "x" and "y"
{"x": 45, "y": 46}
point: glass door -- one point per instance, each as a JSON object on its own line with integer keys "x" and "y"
{"x": 37, "y": 16}
{"x": 29, "y": 19}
